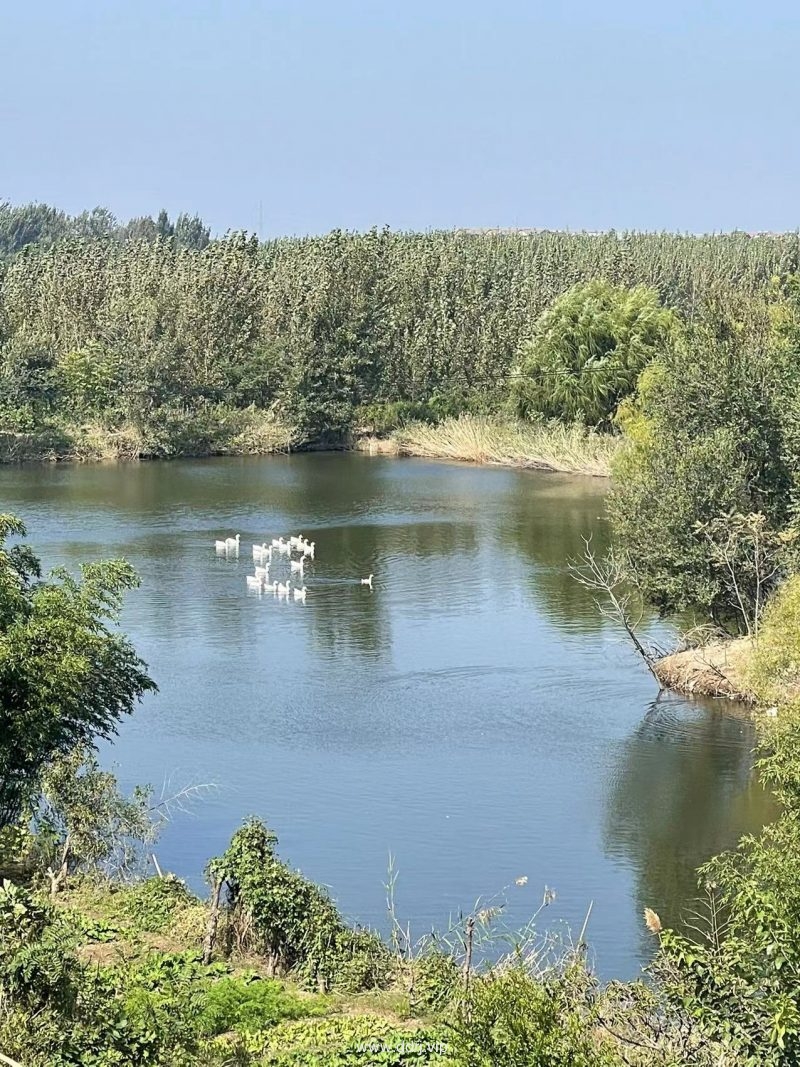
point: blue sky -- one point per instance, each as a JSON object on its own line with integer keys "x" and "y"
{"x": 675, "y": 115}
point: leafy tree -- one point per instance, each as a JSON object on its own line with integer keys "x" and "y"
{"x": 292, "y": 921}
{"x": 588, "y": 350}
{"x": 97, "y": 224}
{"x": 66, "y": 675}
{"x": 191, "y": 231}
{"x": 708, "y": 442}
{"x": 140, "y": 228}
{"x": 84, "y": 823}
{"x": 164, "y": 227}
{"x": 29, "y": 224}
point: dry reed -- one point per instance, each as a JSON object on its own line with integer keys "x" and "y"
{"x": 540, "y": 446}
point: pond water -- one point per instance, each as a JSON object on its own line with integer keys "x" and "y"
{"x": 473, "y": 715}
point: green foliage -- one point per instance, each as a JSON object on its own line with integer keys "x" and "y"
{"x": 90, "y": 380}
{"x": 66, "y": 675}
{"x": 709, "y": 443}
{"x": 741, "y": 983}
{"x": 283, "y": 916}
{"x": 436, "y": 979}
{"x": 359, "y": 1041}
{"x": 152, "y": 905}
{"x": 517, "y": 1020}
{"x": 314, "y": 329}
{"x": 248, "y": 1003}
{"x": 85, "y": 824}
{"x": 587, "y": 351}
{"x": 774, "y": 668}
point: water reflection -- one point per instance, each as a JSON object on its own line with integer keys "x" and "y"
{"x": 683, "y": 790}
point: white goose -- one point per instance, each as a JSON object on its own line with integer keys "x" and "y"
{"x": 232, "y": 542}
{"x": 221, "y": 546}
{"x": 367, "y": 581}
{"x": 283, "y": 589}
{"x": 262, "y": 573}
{"x": 308, "y": 548}
{"x": 300, "y": 594}
{"x": 298, "y": 564}
{"x": 254, "y": 582}
{"x": 278, "y": 542}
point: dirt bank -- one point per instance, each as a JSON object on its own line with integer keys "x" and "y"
{"x": 717, "y": 669}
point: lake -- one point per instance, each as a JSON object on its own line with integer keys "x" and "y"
{"x": 473, "y": 715}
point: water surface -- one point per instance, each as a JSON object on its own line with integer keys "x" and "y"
{"x": 473, "y": 715}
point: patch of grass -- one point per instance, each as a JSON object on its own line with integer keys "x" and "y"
{"x": 357, "y": 1041}
{"x": 249, "y": 1003}
{"x": 539, "y": 445}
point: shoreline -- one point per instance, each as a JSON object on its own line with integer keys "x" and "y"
{"x": 471, "y": 439}
{"x": 716, "y": 669}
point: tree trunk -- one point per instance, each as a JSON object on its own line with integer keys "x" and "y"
{"x": 213, "y": 920}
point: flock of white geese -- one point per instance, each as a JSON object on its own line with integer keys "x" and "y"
{"x": 267, "y": 555}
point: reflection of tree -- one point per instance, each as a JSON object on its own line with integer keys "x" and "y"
{"x": 684, "y": 790}
{"x": 548, "y": 522}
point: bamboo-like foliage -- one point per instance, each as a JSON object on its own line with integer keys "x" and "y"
{"x": 313, "y": 327}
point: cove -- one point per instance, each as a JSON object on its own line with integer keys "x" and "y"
{"x": 473, "y": 715}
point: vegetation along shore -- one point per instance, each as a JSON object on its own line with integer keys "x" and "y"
{"x": 672, "y": 362}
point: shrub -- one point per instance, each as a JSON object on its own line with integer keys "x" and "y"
{"x": 513, "y": 1019}
{"x": 152, "y": 905}
{"x": 359, "y": 1041}
{"x": 279, "y": 913}
{"x": 774, "y": 669}
{"x": 250, "y": 1003}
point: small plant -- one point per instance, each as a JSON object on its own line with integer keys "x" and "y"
{"x": 248, "y": 1003}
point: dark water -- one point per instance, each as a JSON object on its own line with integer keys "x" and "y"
{"x": 473, "y": 715}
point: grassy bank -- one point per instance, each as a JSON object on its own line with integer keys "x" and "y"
{"x": 221, "y": 432}
{"x": 469, "y": 438}
{"x": 547, "y": 446}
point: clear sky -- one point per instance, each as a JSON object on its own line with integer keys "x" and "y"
{"x": 588, "y": 115}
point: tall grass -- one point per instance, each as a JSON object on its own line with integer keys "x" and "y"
{"x": 541, "y": 446}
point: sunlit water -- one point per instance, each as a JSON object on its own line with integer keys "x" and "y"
{"x": 474, "y": 716}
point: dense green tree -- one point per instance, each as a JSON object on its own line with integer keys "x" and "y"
{"x": 67, "y": 676}
{"x": 588, "y": 350}
{"x": 97, "y": 224}
{"x": 29, "y": 224}
{"x": 191, "y": 232}
{"x": 708, "y": 441}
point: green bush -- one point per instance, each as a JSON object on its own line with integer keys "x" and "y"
{"x": 250, "y": 1003}
{"x": 436, "y": 979}
{"x": 774, "y": 668}
{"x": 293, "y": 922}
{"x": 358, "y": 1041}
{"x": 513, "y": 1019}
{"x": 151, "y": 905}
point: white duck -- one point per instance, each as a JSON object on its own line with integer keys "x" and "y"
{"x": 232, "y": 542}
{"x": 300, "y": 594}
{"x": 298, "y": 564}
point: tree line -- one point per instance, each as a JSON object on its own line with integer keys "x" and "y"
{"x": 172, "y": 339}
